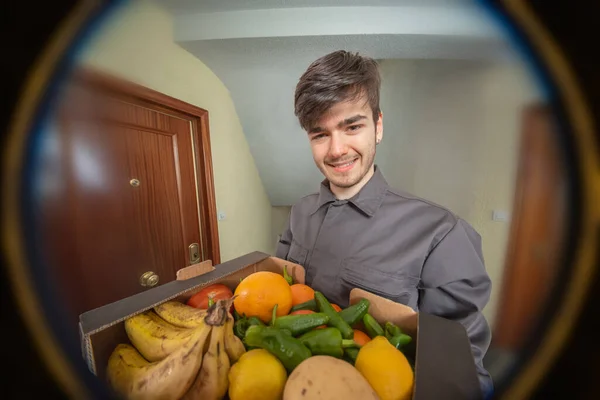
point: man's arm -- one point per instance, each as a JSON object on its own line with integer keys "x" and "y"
{"x": 456, "y": 286}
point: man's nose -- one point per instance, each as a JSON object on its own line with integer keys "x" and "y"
{"x": 337, "y": 147}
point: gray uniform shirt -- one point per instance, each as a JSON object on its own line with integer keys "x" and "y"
{"x": 397, "y": 246}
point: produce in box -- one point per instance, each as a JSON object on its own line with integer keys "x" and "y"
{"x": 327, "y": 377}
{"x": 280, "y": 340}
{"x": 258, "y": 293}
{"x": 204, "y": 298}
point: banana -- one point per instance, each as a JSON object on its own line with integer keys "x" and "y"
{"x": 154, "y": 337}
{"x": 212, "y": 381}
{"x": 134, "y": 378}
{"x": 233, "y": 344}
{"x": 180, "y": 315}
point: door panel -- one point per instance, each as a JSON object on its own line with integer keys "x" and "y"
{"x": 157, "y": 216}
{"x": 101, "y": 232}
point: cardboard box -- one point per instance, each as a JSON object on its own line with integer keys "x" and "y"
{"x": 444, "y": 366}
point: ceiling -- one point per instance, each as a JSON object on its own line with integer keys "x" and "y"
{"x": 210, "y": 6}
{"x": 260, "y": 48}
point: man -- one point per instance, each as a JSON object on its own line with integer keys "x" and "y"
{"x": 359, "y": 232}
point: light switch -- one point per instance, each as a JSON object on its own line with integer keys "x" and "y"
{"x": 220, "y": 216}
{"x": 500, "y": 215}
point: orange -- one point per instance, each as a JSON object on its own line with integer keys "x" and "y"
{"x": 258, "y": 293}
{"x": 301, "y": 293}
{"x": 361, "y": 338}
{"x": 336, "y": 307}
{"x": 301, "y": 312}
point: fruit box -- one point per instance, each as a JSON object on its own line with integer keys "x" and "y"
{"x": 444, "y": 366}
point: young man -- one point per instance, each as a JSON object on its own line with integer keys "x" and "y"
{"x": 359, "y": 232}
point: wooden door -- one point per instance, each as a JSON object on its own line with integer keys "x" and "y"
{"x": 121, "y": 194}
{"x": 537, "y": 225}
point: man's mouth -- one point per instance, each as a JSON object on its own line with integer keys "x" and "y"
{"x": 343, "y": 166}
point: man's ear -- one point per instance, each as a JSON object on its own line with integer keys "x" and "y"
{"x": 379, "y": 128}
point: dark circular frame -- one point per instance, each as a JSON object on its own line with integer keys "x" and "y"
{"x": 36, "y": 296}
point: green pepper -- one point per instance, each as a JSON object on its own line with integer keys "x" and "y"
{"x": 373, "y": 328}
{"x": 240, "y": 327}
{"x": 307, "y": 305}
{"x": 242, "y": 324}
{"x": 287, "y": 276}
{"x": 326, "y": 342}
{"x": 392, "y": 330}
{"x": 299, "y": 324}
{"x": 255, "y": 321}
{"x": 355, "y": 313}
{"x": 350, "y": 354}
{"x": 400, "y": 340}
{"x": 335, "y": 320}
{"x": 289, "y": 350}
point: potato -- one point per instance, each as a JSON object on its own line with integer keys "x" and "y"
{"x": 327, "y": 378}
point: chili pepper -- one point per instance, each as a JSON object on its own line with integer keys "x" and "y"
{"x": 373, "y": 328}
{"x": 350, "y": 354}
{"x": 287, "y": 276}
{"x": 327, "y": 342}
{"x": 400, "y": 340}
{"x": 301, "y": 323}
{"x": 289, "y": 350}
{"x": 307, "y": 305}
{"x": 273, "y": 315}
{"x": 391, "y": 330}
{"x": 334, "y": 318}
{"x": 355, "y": 313}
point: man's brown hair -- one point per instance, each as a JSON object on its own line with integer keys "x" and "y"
{"x": 333, "y": 78}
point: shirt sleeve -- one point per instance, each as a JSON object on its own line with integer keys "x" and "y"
{"x": 285, "y": 241}
{"x": 455, "y": 285}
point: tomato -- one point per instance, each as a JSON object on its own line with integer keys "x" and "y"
{"x": 217, "y": 291}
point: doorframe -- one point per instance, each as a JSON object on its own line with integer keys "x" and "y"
{"x": 201, "y": 143}
{"x": 504, "y": 335}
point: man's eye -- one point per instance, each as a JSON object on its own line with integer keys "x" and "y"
{"x": 319, "y": 136}
{"x": 354, "y": 127}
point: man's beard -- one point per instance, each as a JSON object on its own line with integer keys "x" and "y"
{"x": 367, "y": 162}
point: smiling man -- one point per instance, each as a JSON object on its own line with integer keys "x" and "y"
{"x": 357, "y": 231}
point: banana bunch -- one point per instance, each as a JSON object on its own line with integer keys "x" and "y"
{"x": 177, "y": 352}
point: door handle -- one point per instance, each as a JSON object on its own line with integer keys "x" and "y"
{"x": 149, "y": 279}
{"x": 194, "y": 253}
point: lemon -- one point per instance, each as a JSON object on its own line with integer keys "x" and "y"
{"x": 257, "y": 375}
{"x": 386, "y": 369}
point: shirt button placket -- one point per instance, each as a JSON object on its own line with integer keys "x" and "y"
{"x": 327, "y": 241}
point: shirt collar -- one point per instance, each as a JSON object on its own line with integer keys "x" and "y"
{"x": 368, "y": 199}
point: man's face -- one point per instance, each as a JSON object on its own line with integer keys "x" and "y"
{"x": 343, "y": 143}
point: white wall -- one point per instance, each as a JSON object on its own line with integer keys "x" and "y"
{"x": 137, "y": 44}
{"x": 279, "y": 218}
{"x": 451, "y": 136}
